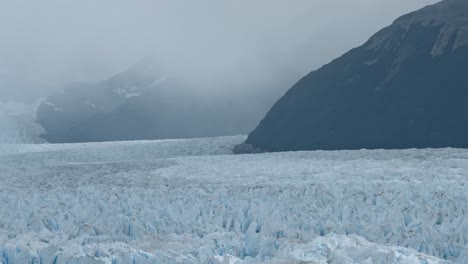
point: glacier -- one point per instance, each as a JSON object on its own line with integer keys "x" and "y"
{"x": 192, "y": 201}
{"x": 17, "y": 124}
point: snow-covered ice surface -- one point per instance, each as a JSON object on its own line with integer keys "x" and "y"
{"x": 191, "y": 201}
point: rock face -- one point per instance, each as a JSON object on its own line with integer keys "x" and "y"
{"x": 141, "y": 103}
{"x": 407, "y": 87}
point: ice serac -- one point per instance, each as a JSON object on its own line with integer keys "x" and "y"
{"x": 190, "y": 201}
{"x": 406, "y": 87}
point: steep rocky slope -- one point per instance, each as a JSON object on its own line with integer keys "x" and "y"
{"x": 406, "y": 87}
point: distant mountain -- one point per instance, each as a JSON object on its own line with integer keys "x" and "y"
{"x": 407, "y": 87}
{"x": 141, "y": 103}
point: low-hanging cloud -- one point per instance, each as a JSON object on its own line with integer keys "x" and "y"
{"x": 245, "y": 42}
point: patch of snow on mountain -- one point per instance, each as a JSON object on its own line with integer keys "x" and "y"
{"x": 130, "y": 95}
{"x": 158, "y": 81}
{"x": 190, "y": 201}
{"x": 120, "y": 91}
{"x": 90, "y": 104}
{"x": 134, "y": 88}
{"x": 54, "y": 107}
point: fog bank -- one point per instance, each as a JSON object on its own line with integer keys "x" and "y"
{"x": 46, "y": 44}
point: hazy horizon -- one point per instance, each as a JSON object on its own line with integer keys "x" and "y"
{"x": 49, "y": 43}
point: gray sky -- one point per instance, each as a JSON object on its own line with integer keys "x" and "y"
{"x": 49, "y": 42}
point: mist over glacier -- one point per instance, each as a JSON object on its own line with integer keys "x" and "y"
{"x": 50, "y": 43}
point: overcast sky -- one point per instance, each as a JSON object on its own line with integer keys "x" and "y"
{"x": 57, "y": 41}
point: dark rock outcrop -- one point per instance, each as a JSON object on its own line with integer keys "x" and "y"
{"x": 407, "y": 87}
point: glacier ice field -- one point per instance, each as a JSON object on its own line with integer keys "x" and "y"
{"x": 193, "y": 201}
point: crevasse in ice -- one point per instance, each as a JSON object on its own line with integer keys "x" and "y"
{"x": 190, "y": 201}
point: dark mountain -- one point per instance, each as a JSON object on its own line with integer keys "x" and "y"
{"x": 142, "y": 103}
{"x": 62, "y": 112}
{"x": 407, "y": 87}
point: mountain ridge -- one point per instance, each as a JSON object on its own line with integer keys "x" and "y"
{"x": 403, "y": 88}
{"x": 144, "y": 103}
